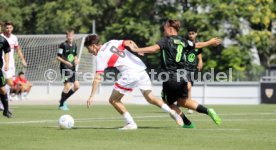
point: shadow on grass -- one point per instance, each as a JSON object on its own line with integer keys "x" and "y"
{"x": 93, "y": 127}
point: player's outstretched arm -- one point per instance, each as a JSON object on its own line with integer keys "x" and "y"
{"x": 213, "y": 42}
{"x": 150, "y": 49}
{"x": 95, "y": 85}
{"x": 129, "y": 43}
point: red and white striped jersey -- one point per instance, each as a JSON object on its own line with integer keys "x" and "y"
{"x": 13, "y": 41}
{"x": 114, "y": 54}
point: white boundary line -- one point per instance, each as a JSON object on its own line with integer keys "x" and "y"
{"x": 137, "y": 118}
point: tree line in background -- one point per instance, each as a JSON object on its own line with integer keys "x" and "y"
{"x": 244, "y": 25}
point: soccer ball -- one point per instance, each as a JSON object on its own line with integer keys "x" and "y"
{"x": 66, "y": 122}
{"x": 190, "y": 111}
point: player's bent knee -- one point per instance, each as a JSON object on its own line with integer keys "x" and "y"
{"x": 76, "y": 87}
{"x": 150, "y": 101}
{"x": 112, "y": 101}
{"x": 182, "y": 102}
{"x": 148, "y": 95}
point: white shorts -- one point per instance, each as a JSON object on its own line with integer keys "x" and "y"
{"x": 129, "y": 81}
{"x": 10, "y": 73}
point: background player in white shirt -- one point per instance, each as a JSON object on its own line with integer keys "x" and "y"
{"x": 14, "y": 45}
{"x": 114, "y": 54}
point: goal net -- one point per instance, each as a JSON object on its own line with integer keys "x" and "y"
{"x": 40, "y": 52}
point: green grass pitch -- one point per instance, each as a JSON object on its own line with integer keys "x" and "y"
{"x": 35, "y": 128}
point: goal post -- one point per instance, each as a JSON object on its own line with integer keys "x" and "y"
{"x": 40, "y": 52}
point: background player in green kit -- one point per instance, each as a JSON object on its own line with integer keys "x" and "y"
{"x": 5, "y": 49}
{"x": 173, "y": 49}
{"x": 67, "y": 55}
{"x": 194, "y": 61}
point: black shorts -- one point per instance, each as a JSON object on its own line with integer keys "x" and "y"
{"x": 68, "y": 75}
{"x": 174, "y": 90}
{"x": 3, "y": 80}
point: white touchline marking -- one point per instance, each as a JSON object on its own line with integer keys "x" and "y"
{"x": 29, "y": 122}
{"x": 137, "y": 118}
{"x": 76, "y": 120}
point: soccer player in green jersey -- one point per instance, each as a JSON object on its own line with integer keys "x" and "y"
{"x": 194, "y": 63}
{"x": 173, "y": 49}
{"x": 67, "y": 55}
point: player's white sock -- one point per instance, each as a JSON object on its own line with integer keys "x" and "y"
{"x": 128, "y": 118}
{"x": 166, "y": 108}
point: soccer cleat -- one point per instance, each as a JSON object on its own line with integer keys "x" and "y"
{"x": 189, "y": 126}
{"x": 129, "y": 126}
{"x": 64, "y": 107}
{"x": 177, "y": 118}
{"x": 214, "y": 116}
{"x": 65, "y": 104}
{"x": 7, "y": 114}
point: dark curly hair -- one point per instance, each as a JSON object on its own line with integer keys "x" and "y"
{"x": 91, "y": 39}
{"x": 174, "y": 23}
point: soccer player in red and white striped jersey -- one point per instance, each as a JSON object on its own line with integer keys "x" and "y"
{"x": 115, "y": 54}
